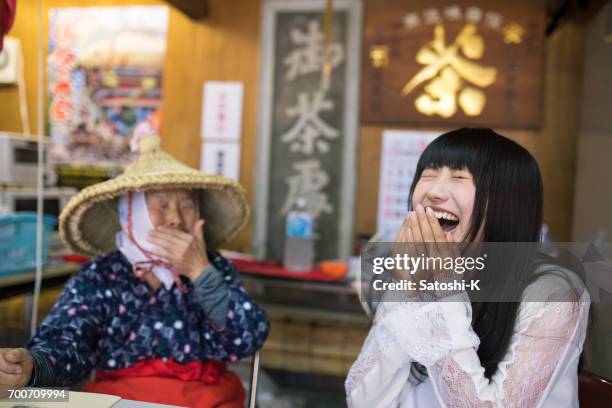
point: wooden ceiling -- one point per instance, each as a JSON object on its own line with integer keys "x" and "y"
{"x": 194, "y": 9}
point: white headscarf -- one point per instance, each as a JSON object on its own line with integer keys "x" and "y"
{"x": 141, "y": 225}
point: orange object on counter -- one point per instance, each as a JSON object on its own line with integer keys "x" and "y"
{"x": 335, "y": 269}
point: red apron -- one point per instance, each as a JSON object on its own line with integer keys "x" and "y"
{"x": 197, "y": 384}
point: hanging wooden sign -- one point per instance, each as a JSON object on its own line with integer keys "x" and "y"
{"x": 475, "y": 63}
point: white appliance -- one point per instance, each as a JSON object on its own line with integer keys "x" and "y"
{"x": 13, "y": 199}
{"x": 19, "y": 160}
{"x": 8, "y": 60}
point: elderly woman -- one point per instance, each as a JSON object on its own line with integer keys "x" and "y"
{"x": 157, "y": 314}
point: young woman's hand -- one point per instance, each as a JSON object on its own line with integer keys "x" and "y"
{"x": 186, "y": 252}
{"x": 403, "y": 245}
{"x": 426, "y": 228}
{"x": 424, "y": 237}
{"x": 16, "y": 367}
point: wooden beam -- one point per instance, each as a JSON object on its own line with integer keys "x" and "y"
{"x": 194, "y": 9}
{"x": 563, "y": 11}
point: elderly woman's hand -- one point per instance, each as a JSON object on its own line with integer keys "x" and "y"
{"x": 15, "y": 367}
{"x": 186, "y": 252}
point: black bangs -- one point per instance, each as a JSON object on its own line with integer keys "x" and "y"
{"x": 461, "y": 149}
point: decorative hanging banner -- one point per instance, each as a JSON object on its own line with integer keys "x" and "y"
{"x": 452, "y": 64}
{"x": 308, "y": 123}
{"x": 104, "y": 70}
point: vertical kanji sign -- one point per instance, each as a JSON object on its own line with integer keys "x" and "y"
{"x": 308, "y": 123}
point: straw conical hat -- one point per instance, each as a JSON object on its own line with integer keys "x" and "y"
{"x": 89, "y": 222}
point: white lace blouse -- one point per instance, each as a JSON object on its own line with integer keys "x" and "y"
{"x": 540, "y": 368}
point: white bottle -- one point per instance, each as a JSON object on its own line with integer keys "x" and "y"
{"x": 299, "y": 239}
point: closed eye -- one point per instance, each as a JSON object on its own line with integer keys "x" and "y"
{"x": 429, "y": 174}
{"x": 189, "y": 205}
{"x": 462, "y": 175}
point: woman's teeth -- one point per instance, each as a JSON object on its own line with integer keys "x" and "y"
{"x": 443, "y": 215}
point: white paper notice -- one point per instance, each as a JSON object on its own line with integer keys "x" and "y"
{"x": 222, "y": 111}
{"x": 221, "y": 158}
{"x": 399, "y": 156}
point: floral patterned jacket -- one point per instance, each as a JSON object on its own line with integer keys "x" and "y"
{"x": 108, "y": 319}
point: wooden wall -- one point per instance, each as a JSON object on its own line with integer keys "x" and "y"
{"x": 594, "y": 163}
{"x": 225, "y": 46}
{"x": 594, "y": 177}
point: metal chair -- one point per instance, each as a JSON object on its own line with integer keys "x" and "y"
{"x": 254, "y": 378}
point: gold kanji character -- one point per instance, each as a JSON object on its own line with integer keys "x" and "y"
{"x": 446, "y": 67}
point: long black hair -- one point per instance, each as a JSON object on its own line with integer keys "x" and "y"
{"x": 507, "y": 208}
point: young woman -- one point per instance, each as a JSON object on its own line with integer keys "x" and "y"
{"x": 473, "y": 185}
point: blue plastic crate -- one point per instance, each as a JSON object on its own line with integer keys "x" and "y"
{"x": 18, "y": 241}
